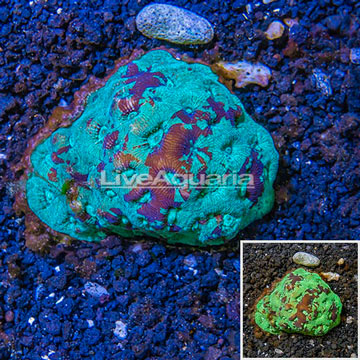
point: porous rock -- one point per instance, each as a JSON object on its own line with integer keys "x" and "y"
{"x": 330, "y": 276}
{"x": 244, "y": 73}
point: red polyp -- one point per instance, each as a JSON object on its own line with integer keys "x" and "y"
{"x": 217, "y": 107}
{"x": 79, "y": 178}
{"x": 143, "y": 80}
{"x": 110, "y": 140}
{"x": 128, "y": 105}
{"x": 52, "y": 175}
{"x": 101, "y": 166}
{"x": 257, "y": 168}
{"x": 55, "y": 155}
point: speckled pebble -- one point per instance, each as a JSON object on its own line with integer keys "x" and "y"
{"x": 120, "y": 330}
{"x": 173, "y": 24}
{"x": 303, "y": 258}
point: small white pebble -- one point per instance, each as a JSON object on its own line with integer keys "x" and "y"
{"x": 90, "y": 323}
{"x": 349, "y": 319}
{"x": 60, "y": 300}
{"x": 137, "y": 247}
{"x": 341, "y": 261}
{"x": 275, "y": 30}
{"x": 63, "y": 103}
{"x": 31, "y": 320}
{"x": 57, "y": 268}
{"x": 218, "y": 271}
{"x": 46, "y": 357}
{"x": 51, "y": 295}
{"x": 120, "y": 330}
{"x": 59, "y": 11}
{"x": 279, "y": 352}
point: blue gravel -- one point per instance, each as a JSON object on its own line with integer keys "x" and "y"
{"x": 162, "y": 303}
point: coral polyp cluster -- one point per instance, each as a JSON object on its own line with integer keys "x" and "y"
{"x": 154, "y": 152}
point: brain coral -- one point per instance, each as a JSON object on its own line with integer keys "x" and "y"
{"x": 155, "y": 115}
{"x": 300, "y": 303}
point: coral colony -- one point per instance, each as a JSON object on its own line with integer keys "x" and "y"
{"x": 300, "y": 303}
{"x": 162, "y": 149}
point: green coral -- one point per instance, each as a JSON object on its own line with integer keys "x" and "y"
{"x": 155, "y": 114}
{"x": 300, "y": 303}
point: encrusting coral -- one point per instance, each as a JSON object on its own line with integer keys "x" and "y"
{"x": 300, "y": 303}
{"x": 154, "y": 115}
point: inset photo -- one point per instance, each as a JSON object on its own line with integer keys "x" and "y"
{"x": 299, "y": 300}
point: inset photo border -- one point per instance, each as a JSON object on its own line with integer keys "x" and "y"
{"x": 264, "y": 264}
